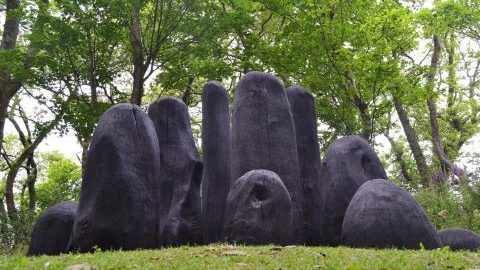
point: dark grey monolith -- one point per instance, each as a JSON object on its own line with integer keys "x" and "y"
{"x": 118, "y": 207}
{"x": 53, "y": 229}
{"x": 181, "y": 172}
{"x": 305, "y": 120}
{"x": 348, "y": 163}
{"x": 383, "y": 215}
{"x": 459, "y": 239}
{"x": 216, "y": 160}
{"x": 258, "y": 210}
{"x": 263, "y": 137}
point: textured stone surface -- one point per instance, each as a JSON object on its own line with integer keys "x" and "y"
{"x": 181, "y": 173}
{"x": 304, "y": 113}
{"x": 216, "y": 160}
{"x": 459, "y": 239}
{"x": 263, "y": 137}
{"x": 52, "y": 230}
{"x": 118, "y": 205}
{"x": 348, "y": 163}
{"x": 258, "y": 210}
{"x": 383, "y": 215}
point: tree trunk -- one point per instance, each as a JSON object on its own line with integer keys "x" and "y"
{"x": 137, "y": 51}
{"x": 11, "y": 26}
{"x": 10, "y": 86}
{"x": 32, "y": 179}
{"x": 367, "y": 131}
{"x": 412, "y": 139}
{"x": 91, "y": 71}
{"x": 432, "y": 108}
{"x": 362, "y": 107}
{"x": 187, "y": 95}
{"x": 85, "y": 144}
{"x": 16, "y": 165}
{"x": 3, "y": 116}
{"x": 9, "y": 42}
{"x": 398, "y": 152}
{"x": 3, "y": 212}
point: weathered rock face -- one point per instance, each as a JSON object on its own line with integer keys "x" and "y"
{"x": 53, "y": 229}
{"x": 383, "y": 215}
{"x": 459, "y": 239}
{"x": 305, "y": 120}
{"x": 263, "y": 137}
{"x": 258, "y": 210}
{"x": 348, "y": 163}
{"x": 118, "y": 207}
{"x": 216, "y": 160}
{"x": 181, "y": 173}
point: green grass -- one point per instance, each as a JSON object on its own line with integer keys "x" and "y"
{"x": 264, "y": 257}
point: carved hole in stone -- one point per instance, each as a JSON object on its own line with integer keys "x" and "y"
{"x": 260, "y": 192}
{"x": 365, "y": 161}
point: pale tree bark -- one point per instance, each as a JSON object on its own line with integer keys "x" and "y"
{"x": 432, "y": 108}
{"x": 362, "y": 106}
{"x": 137, "y": 52}
{"x": 412, "y": 139}
{"x": 84, "y": 143}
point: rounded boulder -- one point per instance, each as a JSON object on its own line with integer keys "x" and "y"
{"x": 383, "y": 215}
{"x": 52, "y": 230}
{"x": 459, "y": 239}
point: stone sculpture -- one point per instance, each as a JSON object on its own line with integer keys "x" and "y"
{"x": 383, "y": 215}
{"x": 348, "y": 163}
{"x": 258, "y": 210}
{"x": 181, "y": 173}
{"x": 118, "y": 207}
{"x": 305, "y": 121}
{"x": 216, "y": 160}
{"x": 459, "y": 239}
{"x": 53, "y": 229}
{"x": 263, "y": 137}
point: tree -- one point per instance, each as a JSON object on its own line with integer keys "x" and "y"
{"x": 85, "y": 61}
{"x": 61, "y": 182}
{"x": 16, "y": 60}
{"x": 30, "y": 144}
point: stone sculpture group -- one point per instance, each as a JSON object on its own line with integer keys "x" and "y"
{"x": 261, "y": 181}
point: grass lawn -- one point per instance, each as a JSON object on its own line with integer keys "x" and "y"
{"x": 241, "y": 257}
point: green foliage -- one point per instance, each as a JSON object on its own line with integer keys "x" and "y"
{"x": 15, "y": 234}
{"x": 62, "y": 183}
{"x": 449, "y": 208}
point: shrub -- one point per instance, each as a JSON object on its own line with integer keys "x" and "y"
{"x": 449, "y": 207}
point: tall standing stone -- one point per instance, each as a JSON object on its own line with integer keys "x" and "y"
{"x": 258, "y": 210}
{"x": 216, "y": 160}
{"x": 348, "y": 163}
{"x": 118, "y": 207}
{"x": 53, "y": 229}
{"x": 181, "y": 173}
{"x": 263, "y": 137}
{"x": 305, "y": 121}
